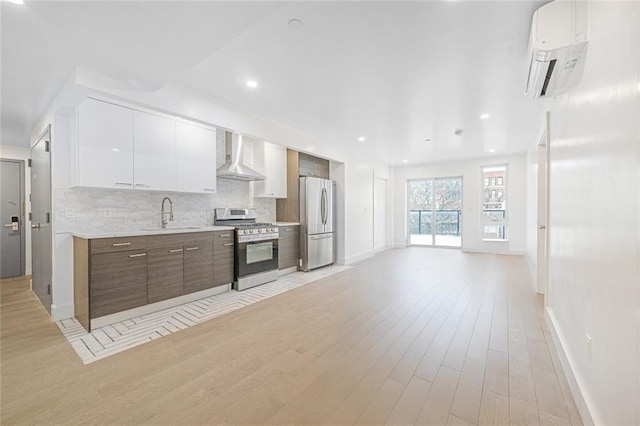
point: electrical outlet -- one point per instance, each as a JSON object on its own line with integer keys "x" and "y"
{"x": 107, "y": 212}
{"x": 69, "y": 212}
{"x": 588, "y": 341}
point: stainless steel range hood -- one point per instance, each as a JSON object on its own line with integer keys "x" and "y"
{"x": 234, "y": 168}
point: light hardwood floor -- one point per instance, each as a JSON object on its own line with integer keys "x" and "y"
{"x": 419, "y": 335}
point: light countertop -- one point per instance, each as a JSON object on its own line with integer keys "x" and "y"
{"x": 142, "y": 232}
{"x": 287, "y": 223}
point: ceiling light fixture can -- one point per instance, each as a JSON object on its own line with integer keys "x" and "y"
{"x": 361, "y": 139}
{"x": 484, "y": 116}
{"x": 295, "y": 24}
{"x": 405, "y": 161}
{"x": 252, "y": 83}
{"x": 492, "y": 150}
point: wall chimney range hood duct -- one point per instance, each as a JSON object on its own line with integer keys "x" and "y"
{"x": 234, "y": 168}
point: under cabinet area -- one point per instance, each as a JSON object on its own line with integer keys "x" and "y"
{"x": 288, "y": 246}
{"x": 113, "y": 275}
{"x": 121, "y": 147}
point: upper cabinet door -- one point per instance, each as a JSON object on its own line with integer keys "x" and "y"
{"x": 105, "y": 145}
{"x": 271, "y": 160}
{"x": 196, "y": 158}
{"x": 154, "y": 147}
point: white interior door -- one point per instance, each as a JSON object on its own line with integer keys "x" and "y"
{"x": 11, "y": 219}
{"x": 379, "y": 213}
{"x": 543, "y": 194}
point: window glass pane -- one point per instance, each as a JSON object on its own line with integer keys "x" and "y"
{"x": 494, "y": 203}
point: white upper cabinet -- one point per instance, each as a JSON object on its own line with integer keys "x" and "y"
{"x": 154, "y": 152}
{"x": 196, "y": 158}
{"x": 105, "y": 149}
{"x": 271, "y": 161}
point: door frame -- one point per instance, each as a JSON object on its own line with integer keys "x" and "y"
{"x": 408, "y": 209}
{"x": 48, "y": 302}
{"x": 386, "y": 212}
{"x": 542, "y": 212}
{"x": 23, "y": 215}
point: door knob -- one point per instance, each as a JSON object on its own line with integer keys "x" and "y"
{"x": 36, "y": 226}
{"x": 542, "y": 227}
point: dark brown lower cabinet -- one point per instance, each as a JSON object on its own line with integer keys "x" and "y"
{"x": 288, "y": 246}
{"x": 165, "y": 273}
{"x": 222, "y": 258}
{"x": 116, "y": 274}
{"x": 198, "y": 267}
{"x": 118, "y": 282}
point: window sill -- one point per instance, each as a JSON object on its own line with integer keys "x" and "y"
{"x": 494, "y": 240}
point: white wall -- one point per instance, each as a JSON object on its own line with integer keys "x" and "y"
{"x": 19, "y": 153}
{"x": 594, "y": 219}
{"x": 470, "y": 170}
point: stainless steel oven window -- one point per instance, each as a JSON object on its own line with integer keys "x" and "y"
{"x": 259, "y": 252}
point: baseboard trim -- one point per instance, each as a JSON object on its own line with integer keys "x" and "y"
{"x": 577, "y": 389}
{"x": 380, "y": 250}
{"x": 507, "y": 253}
{"x": 398, "y": 246}
{"x": 359, "y": 257}
{"x": 62, "y": 312}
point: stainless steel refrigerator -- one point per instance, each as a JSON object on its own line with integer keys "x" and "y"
{"x": 317, "y": 228}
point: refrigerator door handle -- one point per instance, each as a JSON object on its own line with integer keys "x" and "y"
{"x": 323, "y": 206}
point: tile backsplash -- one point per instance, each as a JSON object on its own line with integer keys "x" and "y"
{"x": 91, "y": 209}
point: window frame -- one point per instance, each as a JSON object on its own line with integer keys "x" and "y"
{"x": 484, "y": 220}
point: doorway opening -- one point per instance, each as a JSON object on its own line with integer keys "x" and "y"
{"x": 435, "y": 212}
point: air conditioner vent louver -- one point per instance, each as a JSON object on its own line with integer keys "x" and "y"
{"x": 557, "y": 48}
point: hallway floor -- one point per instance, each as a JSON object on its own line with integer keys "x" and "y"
{"x": 415, "y": 335}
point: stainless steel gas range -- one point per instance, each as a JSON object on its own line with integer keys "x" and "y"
{"x": 256, "y": 248}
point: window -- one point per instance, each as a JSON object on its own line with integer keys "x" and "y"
{"x": 494, "y": 203}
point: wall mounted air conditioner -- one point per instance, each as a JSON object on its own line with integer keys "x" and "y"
{"x": 557, "y": 47}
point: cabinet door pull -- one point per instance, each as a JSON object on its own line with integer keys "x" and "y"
{"x": 121, "y": 244}
{"x": 175, "y": 251}
{"x": 288, "y": 230}
{"x": 123, "y": 183}
{"x": 192, "y": 248}
{"x": 209, "y": 190}
{"x": 142, "y": 185}
{"x": 224, "y": 235}
{"x": 138, "y": 255}
{"x": 228, "y": 244}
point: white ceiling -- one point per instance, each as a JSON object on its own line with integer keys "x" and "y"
{"x": 394, "y": 72}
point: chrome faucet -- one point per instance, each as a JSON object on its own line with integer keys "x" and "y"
{"x": 163, "y": 213}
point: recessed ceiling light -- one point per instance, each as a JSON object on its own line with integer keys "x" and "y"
{"x": 115, "y": 149}
{"x": 16, "y": 1}
{"x": 405, "y": 161}
{"x": 252, "y": 83}
{"x": 484, "y": 116}
{"x": 492, "y": 150}
{"x": 361, "y": 139}
{"x": 295, "y": 24}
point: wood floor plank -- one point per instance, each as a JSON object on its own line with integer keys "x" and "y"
{"x": 410, "y": 404}
{"x": 351, "y": 348}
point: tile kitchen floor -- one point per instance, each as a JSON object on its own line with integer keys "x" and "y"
{"x": 115, "y": 338}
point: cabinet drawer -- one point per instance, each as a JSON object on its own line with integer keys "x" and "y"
{"x": 223, "y": 235}
{"x": 157, "y": 241}
{"x": 109, "y": 245}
